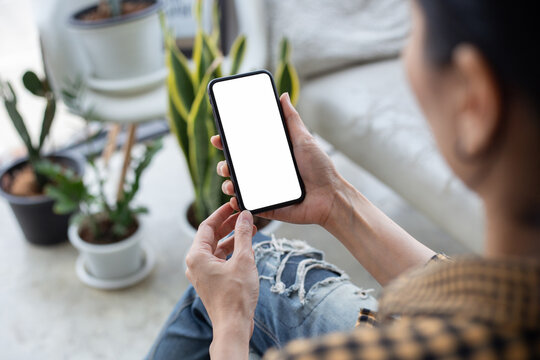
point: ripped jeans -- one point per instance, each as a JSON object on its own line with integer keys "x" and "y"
{"x": 301, "y": 296}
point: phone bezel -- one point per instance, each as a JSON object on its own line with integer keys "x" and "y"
{"x": 217, "y": 120}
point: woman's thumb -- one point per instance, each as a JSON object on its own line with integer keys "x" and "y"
{"x": 243, "y": 233}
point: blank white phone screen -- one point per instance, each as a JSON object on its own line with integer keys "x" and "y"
{"x": 256, "y": 140}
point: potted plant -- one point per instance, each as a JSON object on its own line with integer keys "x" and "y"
{"x": 20, "y": 182}
{"x": 190, "y": 114}
{"x": 107, "y": 234}
{"x": 122, "y": 38}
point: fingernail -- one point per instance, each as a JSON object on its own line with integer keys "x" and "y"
{"x": 220, "y": 168}
{"x": 288, "y": 98}
{"x": 245, "y": 217}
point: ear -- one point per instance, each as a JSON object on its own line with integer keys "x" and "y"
{"x": 479, "y": 102}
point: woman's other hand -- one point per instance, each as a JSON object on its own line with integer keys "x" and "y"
{"x": 229, "y": 289}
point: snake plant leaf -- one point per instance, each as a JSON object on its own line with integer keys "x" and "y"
{"x": 48, "y": 118}
{"x": 287, "y": 81}
{"x": 204, "y": 54}
{"x": 215, "y": 35}
{"x": 179, "y": 127}
{"x": 212, "y": 195}
{"x": 210, "y": 126}
{"x": 33, "y": 84}
{"x": 199, "y": 136}
{"x": 238, "y": 50}
{"x": 200, "y": 59}
{"x": 181, "y": 96}
{"x": 197, "y": 12}
{"x": 175, "y": 97}
{"x": 284, "y": 50}
{"x": 286, "y": 76}
{"x": 181, "y": 79}
{"x": 10, "y": 102}
{"x": 214, "y": 53}
{"x": 197, "y": 44}
{"x": 199, "y": 156}
{"x": 212, "y": 184}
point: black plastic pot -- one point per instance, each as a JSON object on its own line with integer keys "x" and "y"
{"x": 35, "y": 215}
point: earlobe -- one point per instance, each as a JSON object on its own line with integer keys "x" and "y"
{"x": 470, "y": 139}
{"x": 479, "y": 116}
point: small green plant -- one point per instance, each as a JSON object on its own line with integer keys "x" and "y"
{"x": 103, "y": 220}
{"x": 190, "y": 114}
{"x": 40, "y": 88}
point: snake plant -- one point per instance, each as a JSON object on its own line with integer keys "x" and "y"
{"x": 190, "y": 114}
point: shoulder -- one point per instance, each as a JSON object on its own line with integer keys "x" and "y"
{"x": 414, "y": 338}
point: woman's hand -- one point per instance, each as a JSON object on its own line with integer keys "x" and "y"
{"x": 317, "y": 170}
{"x": 229, "y": 289}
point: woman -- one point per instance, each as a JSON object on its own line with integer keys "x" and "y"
{"x": 473, "y": 66}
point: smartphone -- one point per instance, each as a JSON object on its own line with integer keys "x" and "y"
{"x": 256, "y": 142}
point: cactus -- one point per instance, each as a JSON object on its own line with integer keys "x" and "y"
{"x": 190, "y": 114}
{"x": 41, "y": 88}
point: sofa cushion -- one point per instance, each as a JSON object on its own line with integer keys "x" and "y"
{"x": 368, "y": 113}
{"x": 328, "y": 34}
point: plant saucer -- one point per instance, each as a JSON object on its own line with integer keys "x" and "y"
{"x": 87, "y": 278}
{"x": 128, "y": 86}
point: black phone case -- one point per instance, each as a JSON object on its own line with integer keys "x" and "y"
{"x": 219, "y": 126}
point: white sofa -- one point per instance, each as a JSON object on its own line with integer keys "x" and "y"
{"x": 368, "y": 113}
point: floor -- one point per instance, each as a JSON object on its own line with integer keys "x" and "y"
{"x": 47, "y": 313}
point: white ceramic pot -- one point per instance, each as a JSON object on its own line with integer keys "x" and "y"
{"x": 111, "y": 261}
{"x": 190, "y": 231}
{"x": 126, "y": 47}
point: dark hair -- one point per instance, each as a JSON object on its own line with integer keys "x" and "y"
{"x": 507, "y": 34}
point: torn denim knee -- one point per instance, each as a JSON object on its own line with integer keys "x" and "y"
{"x": 291, "y": 268}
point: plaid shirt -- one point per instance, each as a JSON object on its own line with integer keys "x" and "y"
{"x": 470, "y": 308}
